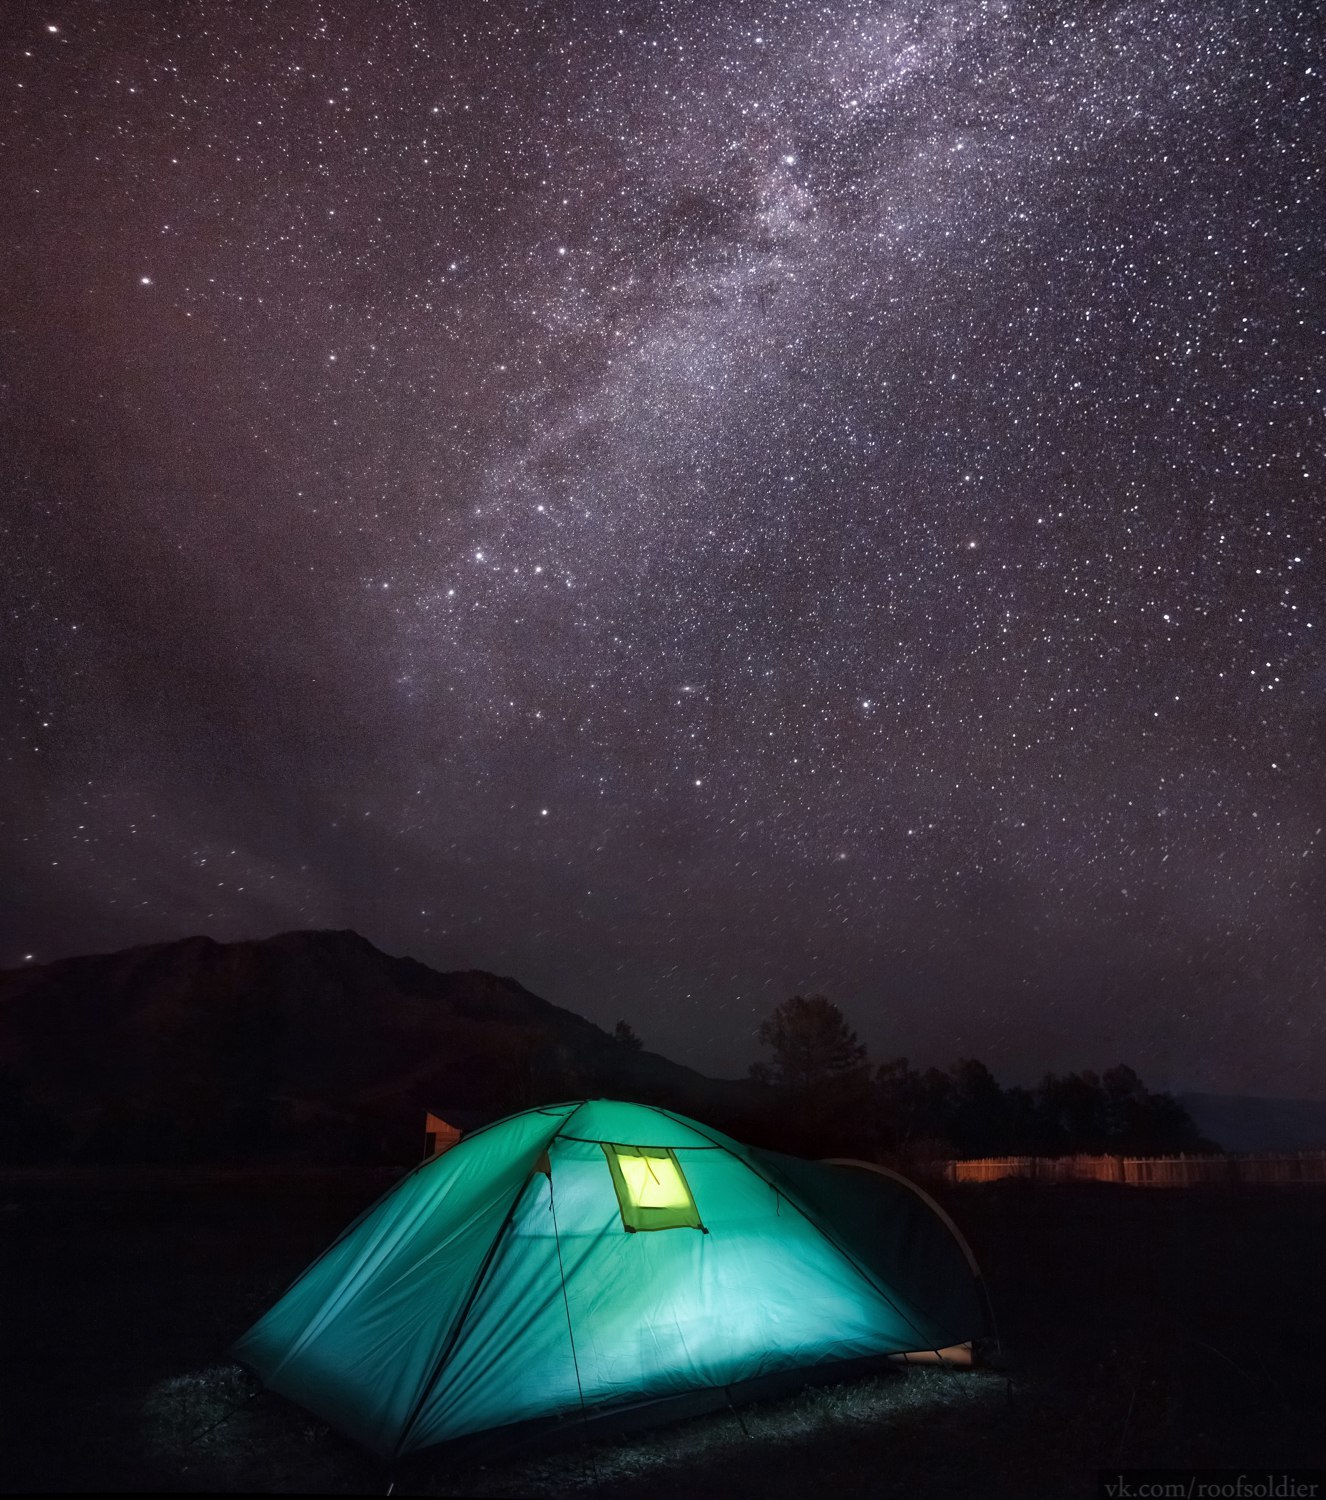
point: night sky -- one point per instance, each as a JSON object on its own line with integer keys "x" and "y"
{"x": 683, "y": 503}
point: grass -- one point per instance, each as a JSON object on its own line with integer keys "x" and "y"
{"x": 1140, "y": 1328}
{"x": 218, "y": 1430}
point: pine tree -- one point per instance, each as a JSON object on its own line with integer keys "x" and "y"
{"x": 623, "y": 1033}
{"x": 811, "y": 1042}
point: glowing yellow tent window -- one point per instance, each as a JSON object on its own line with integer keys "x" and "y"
{"x": 651, "y": 1190}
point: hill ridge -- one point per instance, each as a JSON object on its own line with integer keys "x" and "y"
{"x": 198, "y": 1049}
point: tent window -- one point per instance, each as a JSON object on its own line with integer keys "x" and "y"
{"x": 652, "y": 1191}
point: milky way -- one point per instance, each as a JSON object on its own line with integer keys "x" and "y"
{"x": 683, "y": 503}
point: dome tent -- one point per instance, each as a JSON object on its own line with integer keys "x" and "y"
{"x": 585, "y": 1257}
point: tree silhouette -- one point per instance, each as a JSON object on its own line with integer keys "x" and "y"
{"x": 623, "y": 1033}
{"x": 817, "y": 1076}
{"x": 811, "y": 1043}
{"x": 912, "y": 1110}
{"x": 964, "y": 1111}
{"x": 979, "y": 1111}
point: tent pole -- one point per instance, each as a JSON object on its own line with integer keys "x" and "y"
{"x": 810, "y": 1219}
{"x": 570, "y": 1331}
{"x": 475, "y": 1289}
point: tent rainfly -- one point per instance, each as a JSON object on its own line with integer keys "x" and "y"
{"x": 582, "y": 1258}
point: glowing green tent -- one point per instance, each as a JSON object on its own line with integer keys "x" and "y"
{"x": 583, "y": 1258}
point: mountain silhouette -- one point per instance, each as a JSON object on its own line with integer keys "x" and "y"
{"x": 304, "y": 1046}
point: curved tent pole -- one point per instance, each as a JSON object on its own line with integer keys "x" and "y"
{"x": 541, "y": 1164}
{"x": 935, "y": 1207}
{"x": 414, "y": 1171}
{"x": 810, "y": 1219}
{"x": 458, "y": 1326}
{"x": 940, "y": 1213}
{"x": 561, "y": 1276}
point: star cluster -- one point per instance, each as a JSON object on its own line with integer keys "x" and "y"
{"x": 683, "y": 503}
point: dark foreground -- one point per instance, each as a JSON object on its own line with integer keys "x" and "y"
{"x": 1140, "y": 1328}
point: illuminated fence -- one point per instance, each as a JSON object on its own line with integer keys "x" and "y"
{"x": 1148, "y": 1171}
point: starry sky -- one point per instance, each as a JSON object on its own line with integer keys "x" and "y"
{"x": 683, "y": 503}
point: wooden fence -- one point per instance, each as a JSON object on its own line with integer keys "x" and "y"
{"x": 1148, "y": 1171}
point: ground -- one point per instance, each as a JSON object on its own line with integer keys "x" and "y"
{"x": 1137, "y": 1328}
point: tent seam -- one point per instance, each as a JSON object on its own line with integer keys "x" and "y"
{"x": 472, "y": 1297}
{"x": 814, "y": 1224}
